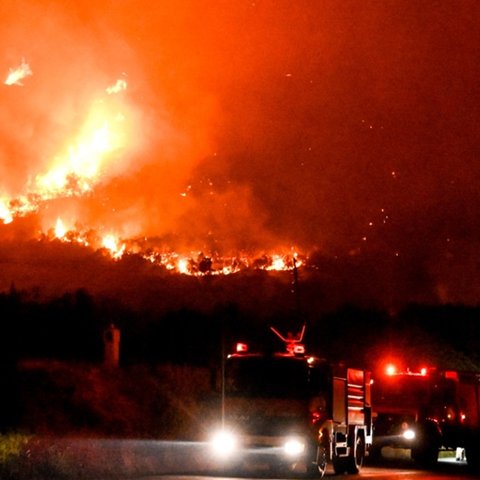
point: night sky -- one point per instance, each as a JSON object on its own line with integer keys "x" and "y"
{"x": 345, "y": 128}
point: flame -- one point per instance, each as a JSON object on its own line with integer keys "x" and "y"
{"x": 16, "y": 75}
{"x": 111, "y": 243}
{"x": 60, "y": 229}
{"x": 182, "y": 265}
{"x": 79, "y": 168}
{"x": 119, "y": 86}
{"x": 278, "y": 263}
{"x": 76, "y": 171}
{"x": 5, "y": 213}
{"x": 190, "y": 263}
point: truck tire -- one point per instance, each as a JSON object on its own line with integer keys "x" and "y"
{"x": 355, "y": 462}
{"x": 471, "y": 452}
{"x": 425, "y": 452}
{"x": 318, "y": 466}
{"x": 425, "y": 455}
{"x": 339, "y": 465}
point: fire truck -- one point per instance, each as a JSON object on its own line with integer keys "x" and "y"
{"x": 427, "y": 411}
{"x": 292, "y": 412}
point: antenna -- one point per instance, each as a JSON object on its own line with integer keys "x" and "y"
{"x": 293, "y": 344}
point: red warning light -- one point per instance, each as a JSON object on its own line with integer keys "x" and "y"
{"x": 423, "y": 371}
{"x": 451, "y": 374}
{"x": 241, "y": 347}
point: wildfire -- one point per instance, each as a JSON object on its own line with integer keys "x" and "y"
{"x": 79, "y": 168}
{"x": 5, "y": 213}
{"x": 76, "y": 171}
{"x": 82, "y": 164}
{"x": 192, "y": 263}
{"x": 60, "y": 229}
{"x": 112, "y": 245}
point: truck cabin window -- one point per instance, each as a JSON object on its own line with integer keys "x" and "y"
{"x": 271, "y": 377}
{"x": 407, "y": 391}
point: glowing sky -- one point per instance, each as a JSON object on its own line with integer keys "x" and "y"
{"x": 349, "y": 127}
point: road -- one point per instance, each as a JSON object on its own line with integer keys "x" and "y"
{"x": 74, "y": 458}
{"x": 392, "y": 471}
{"x": 370, "y": 473}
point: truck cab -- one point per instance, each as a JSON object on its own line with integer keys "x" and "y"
{"x": 426, "y": 411}
{"x": 293, "y": 412}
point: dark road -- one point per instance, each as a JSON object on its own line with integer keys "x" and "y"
{"x": 173, "y": 460}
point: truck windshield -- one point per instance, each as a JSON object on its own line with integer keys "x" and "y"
{"x": 279, "y": 377}
{"x": 403, "y": 390}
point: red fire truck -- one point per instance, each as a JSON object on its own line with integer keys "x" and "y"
{"x": 426, "y": 411}
{"x": 293, "y": 412}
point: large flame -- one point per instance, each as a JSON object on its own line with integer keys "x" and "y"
{"x": 80, "y": 167}
{"x": 77, "y": 169}
{"x": 190, "y": 263}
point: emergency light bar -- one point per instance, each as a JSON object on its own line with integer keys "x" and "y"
{"x": 391, "y": 370}
{"x": 451, "y": 374}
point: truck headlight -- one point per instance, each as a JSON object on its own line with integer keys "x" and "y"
{"x": 408, "y": 434}
{"x": 294, "y": 447}
{"x": 224, "y": 443}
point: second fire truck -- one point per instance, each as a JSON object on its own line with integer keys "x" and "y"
{"x": 426, "y": 411}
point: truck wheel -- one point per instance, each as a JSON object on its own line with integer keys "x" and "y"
{"x": 319, "y": 466}
{"x": 339, "y": 465}
{"x": 425, "y": 455}
{"x": 425, "y": 452}
{"x": 471, "y": 452}
{"x": 352, "y": 463}
{"x": 355, "y": 462}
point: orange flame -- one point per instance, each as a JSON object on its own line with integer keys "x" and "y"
{"x": 16, "y": 75}
{"x": 192, "y": 263}
{"x": 79, "y": 168}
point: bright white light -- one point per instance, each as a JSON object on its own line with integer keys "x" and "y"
{"x": 293, "y": 447}
{"x": 224, "y": 443}
{"x": 390, "y": 369}
{"x": 408, "y": 434}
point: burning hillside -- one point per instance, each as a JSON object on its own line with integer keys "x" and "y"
{"x": 84, "y": 187}
{"x": 103, "y": 139}
{"x": 214, "y": 138}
